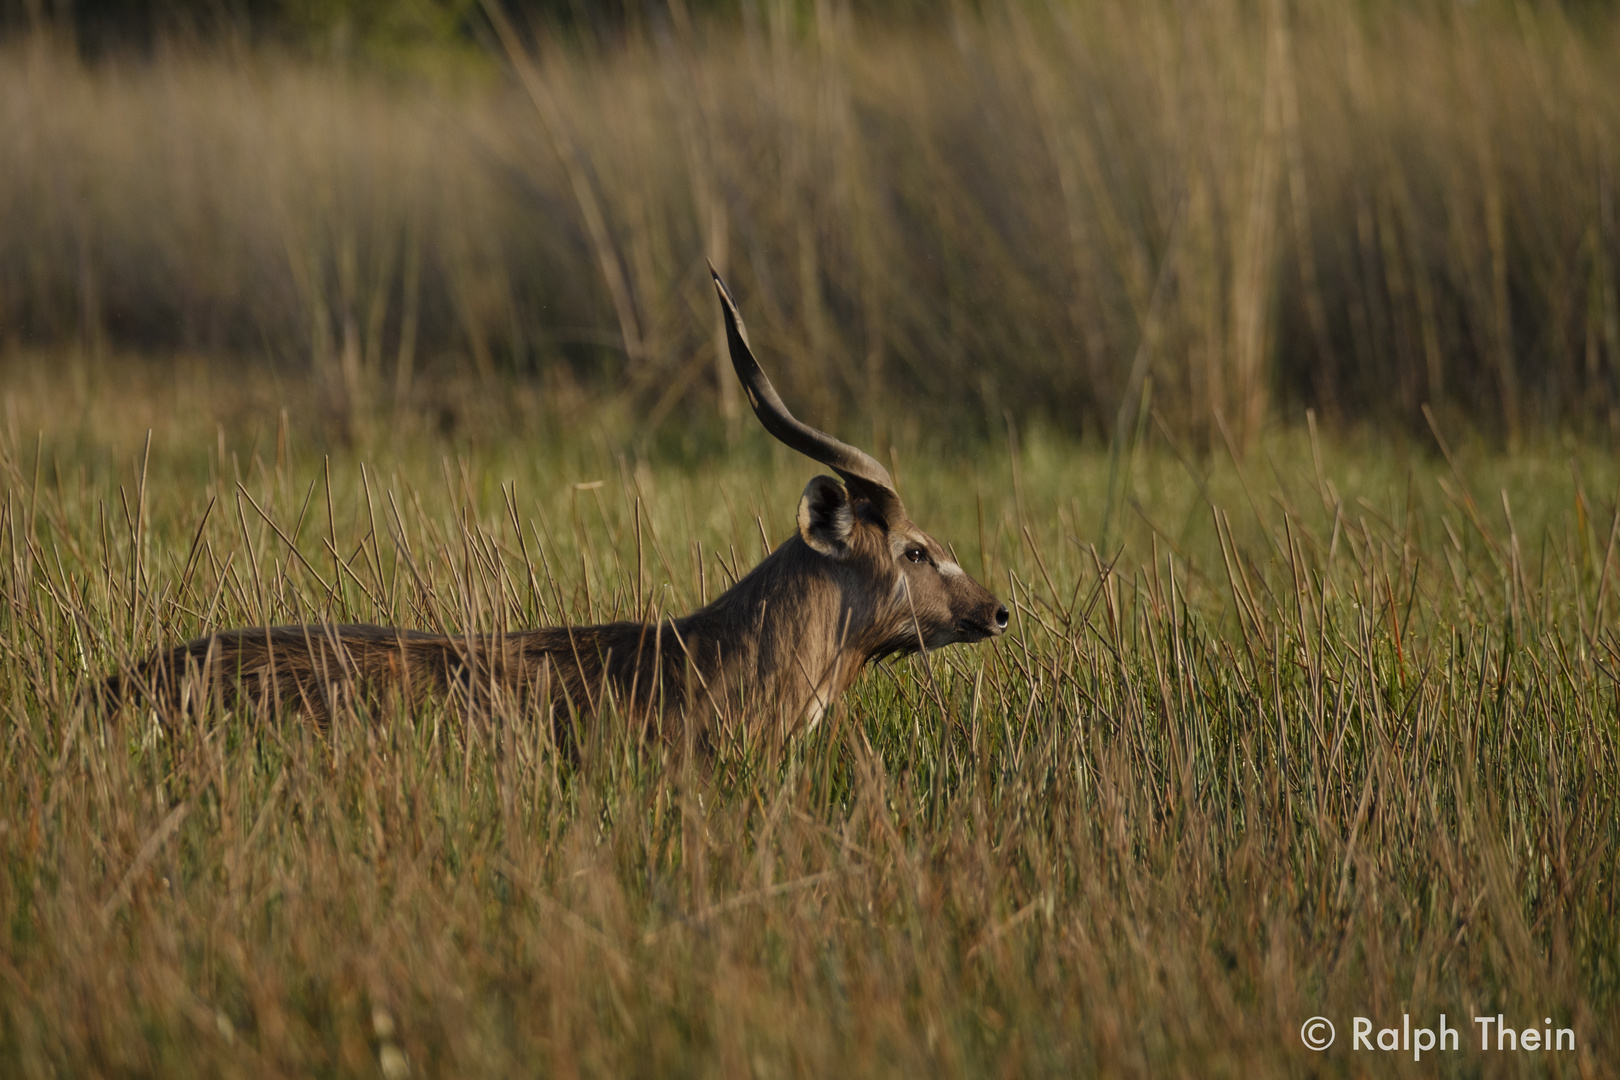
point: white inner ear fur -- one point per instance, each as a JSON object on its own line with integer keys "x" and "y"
{"x": 825, "y": 517}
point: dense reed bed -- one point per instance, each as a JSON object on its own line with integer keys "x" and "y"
{"x": 1331, "y": 732}
{"x": 1234, "y": 209}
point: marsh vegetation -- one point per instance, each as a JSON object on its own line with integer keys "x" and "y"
{"x": 1300, "y": 713}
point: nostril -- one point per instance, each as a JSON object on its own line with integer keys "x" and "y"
{"x": 1001, "y": 616}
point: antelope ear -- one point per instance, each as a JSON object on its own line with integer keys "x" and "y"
{"x": 825, "y": 517}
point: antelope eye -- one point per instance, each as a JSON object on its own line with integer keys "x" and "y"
{"x": 916, "y": 554}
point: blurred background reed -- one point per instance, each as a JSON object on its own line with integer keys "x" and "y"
{"x": 1225, "y": 212}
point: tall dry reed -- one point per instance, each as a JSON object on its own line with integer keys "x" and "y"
{"x": 1226, "y": 211}
{"x": 1331, "y": 733}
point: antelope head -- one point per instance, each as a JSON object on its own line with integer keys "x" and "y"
{"x": 900, "y": 590}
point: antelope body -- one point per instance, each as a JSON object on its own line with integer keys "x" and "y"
{"x": 858, "y": 581}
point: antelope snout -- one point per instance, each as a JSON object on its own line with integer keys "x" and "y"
{"x": 995, "y": 619}
{"x": 987, "y": 619}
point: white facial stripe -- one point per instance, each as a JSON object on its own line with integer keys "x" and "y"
{"x": 949, "y": 569}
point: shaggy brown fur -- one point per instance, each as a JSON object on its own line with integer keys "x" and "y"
{"x": 772, "y": 651}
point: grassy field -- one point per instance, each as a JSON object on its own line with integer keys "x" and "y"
{"x": 1326, "y": 729}
{"x": 1293, "y": 719}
